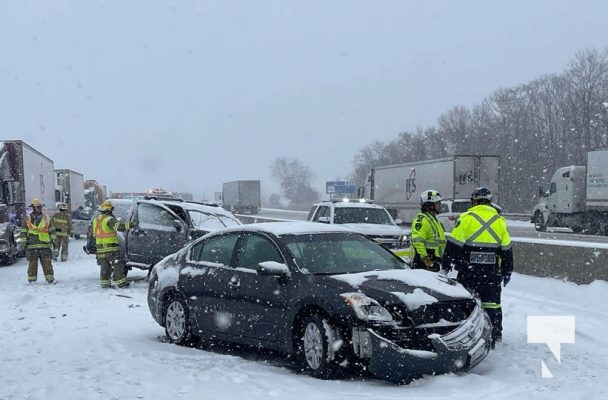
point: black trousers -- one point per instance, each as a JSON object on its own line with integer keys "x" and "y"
{"x": 487, "y": 287}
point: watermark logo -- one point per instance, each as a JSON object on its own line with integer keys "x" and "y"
{"x": 553, "y": 330}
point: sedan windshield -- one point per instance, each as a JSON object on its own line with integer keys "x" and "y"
{"x": 360, "y": 215}
{"x": 339, "y": 253}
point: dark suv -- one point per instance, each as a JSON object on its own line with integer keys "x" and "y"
{"x": 164, "y": 227}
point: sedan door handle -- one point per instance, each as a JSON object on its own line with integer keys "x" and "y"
{"x": 234, "y": 283}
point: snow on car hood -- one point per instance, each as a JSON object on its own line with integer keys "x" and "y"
{"x": 375, "y": 229}
{"x": 414, "y": 288}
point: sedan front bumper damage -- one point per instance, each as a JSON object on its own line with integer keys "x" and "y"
{"x": 457, "y": 351}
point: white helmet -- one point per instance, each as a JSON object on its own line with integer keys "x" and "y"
{"x": 430, "y": 196}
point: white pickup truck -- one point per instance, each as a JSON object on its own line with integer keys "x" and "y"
{"x": 371, "y": 220}
{"x": 80, "y": 224}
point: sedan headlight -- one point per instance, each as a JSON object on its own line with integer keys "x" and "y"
{"x": 366, "y": 308}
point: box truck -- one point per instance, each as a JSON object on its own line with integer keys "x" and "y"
{"x": 398, "y": 187}
{"x": 577, "y": 197}
{"x": 25, "y": 174}
{"x": 69, "y": 188}
{"x": 242, "y": 196}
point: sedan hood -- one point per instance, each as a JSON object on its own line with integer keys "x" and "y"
{"x": 375, "y": 229}
{"x": 414, "y": 288}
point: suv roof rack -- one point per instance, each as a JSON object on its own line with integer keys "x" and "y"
{"x": 161, "y": 197}
{"x": 204, "y": 203}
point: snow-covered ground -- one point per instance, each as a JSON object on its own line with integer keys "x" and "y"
{"x": 73, "y": 340}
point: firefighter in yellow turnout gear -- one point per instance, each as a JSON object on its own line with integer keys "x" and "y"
{"x": 62, "y": 220}
{"x": 480, "y": 250}
{"x": 428, "y": 237}
{"x": 38, "y": 232}
{"x": 105, "y": 228}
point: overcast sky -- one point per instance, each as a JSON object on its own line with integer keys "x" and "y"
{"x": 188, "y": 94}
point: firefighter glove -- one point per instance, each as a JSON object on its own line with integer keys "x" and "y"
{"x": 505, "y": 279}
{"x": 427, "y": 262}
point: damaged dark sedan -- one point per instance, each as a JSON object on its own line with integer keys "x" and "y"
{"x": 326, "y": 295}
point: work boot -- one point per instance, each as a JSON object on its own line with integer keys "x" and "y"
{"x": 124, "y": 285}
{"x": 495, "y": 340}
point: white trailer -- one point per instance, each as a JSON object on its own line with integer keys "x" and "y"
{"x": 398, "y": 187}
{"x": 577, "y": 197}
{"x": 69, "y": 188}
{"x": 242, "y": 196}
{"x": 25, "y": 174}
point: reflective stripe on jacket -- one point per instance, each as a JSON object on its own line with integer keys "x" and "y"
{"x": 62, "y": 222}
{"x": 428, "y": 236}
{"x": 106, "y": 238}
{"x": 481, "y": 226}
{"x": 478, "y": 233}
{"x": 37, "y": 235}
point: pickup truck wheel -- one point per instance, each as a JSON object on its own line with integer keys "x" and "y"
{"x": 539, "y": 222}
{"x": 177, "y": 322}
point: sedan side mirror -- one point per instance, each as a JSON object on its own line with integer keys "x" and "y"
{"x": 273, "y": 268}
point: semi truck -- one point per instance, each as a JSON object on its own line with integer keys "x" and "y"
{"x": 242, "y": 196}
{"x": 398, "y": 187}
{"x": 69, "y": 188}
{"x": 25, "y": 174}
{"x": 577, "y": 197}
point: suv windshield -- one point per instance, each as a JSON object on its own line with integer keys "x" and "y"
{"x": 361, "y": 215}
{"x": 205, "y": 221}
{"x": 339, "y": 253}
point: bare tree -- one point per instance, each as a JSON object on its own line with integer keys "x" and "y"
{"x": 295, "y": 180}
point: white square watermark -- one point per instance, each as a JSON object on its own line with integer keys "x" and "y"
{"x": 553, "y": 330}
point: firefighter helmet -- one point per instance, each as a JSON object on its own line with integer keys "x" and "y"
{"x": 430, "y": 196}
{"x": 482, "y": 193}
{"x": 106, "y": 206}
{"x": 62, "y": 207}
{"x": 36, "y": 203}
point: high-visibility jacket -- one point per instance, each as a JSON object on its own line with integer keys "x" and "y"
{"x": 37, "y": 231}
{"x": 480, "y": 238}
{"x": 428, "y": 237}
{"x": 63, "y": 223}
{"x": 104, "y": 230}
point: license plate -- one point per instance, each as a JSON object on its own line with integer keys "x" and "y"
{"x": 482, "y": 258}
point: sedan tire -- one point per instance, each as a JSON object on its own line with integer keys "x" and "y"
{"x": 317, "y": 356}
{"x": 177, "y": 322}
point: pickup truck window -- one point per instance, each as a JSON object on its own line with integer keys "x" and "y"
{"x": 151, "y": 214}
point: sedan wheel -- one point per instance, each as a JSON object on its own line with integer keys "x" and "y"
{"x": 177, "y": 324}
{"x": 317, "y": 357}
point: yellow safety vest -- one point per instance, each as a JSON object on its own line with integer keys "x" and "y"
{"x": 481, "y": 226}
{"x": 427, "y": 234}
{"x": 106, "y": 239}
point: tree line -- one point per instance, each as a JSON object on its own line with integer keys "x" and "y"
{"x": 535, "y": 128}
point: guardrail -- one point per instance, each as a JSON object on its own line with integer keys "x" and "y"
{"x": 559, "y": 259}
{"x": 517, "y": 216}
